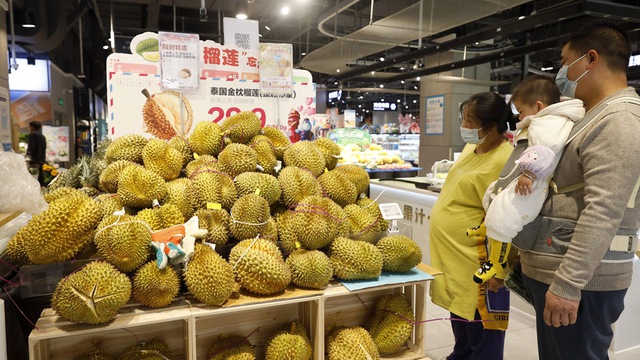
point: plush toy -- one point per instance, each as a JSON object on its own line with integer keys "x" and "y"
{"x": 177, "y": 242}
{"x": 305, "y": 130}
{"x": 293, "y": 120}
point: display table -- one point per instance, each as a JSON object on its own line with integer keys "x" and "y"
{"x": 189, "y": 327}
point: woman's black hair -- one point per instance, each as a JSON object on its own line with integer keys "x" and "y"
{"x": 490, "y": 109}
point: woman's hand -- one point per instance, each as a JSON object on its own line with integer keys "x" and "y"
{"x": 494, "y": 284}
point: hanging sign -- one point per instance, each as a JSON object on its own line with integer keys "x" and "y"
{"x": 241, "y": 34}
{"x": 276, "y": 69}
{"x": 179, "y": 60}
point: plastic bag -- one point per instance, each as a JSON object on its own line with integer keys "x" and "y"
{"x": 19, "y": 191}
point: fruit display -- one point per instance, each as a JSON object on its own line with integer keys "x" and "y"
{"x": 260, "y": 230}
{"x": 372, "y": 157}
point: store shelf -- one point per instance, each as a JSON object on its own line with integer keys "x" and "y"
{"x": 190, "y": 328}
{"x": 407, "y": 146}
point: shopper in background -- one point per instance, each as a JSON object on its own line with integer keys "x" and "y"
{"x": 368, "y": 125}
{"x": 459, "y": 207}
{"x": 36, "y": 148}
{"x": 523, "y": 185}
{"x": 576, "y": 274}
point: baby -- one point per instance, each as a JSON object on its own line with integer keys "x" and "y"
{"x": 546, "y": 123}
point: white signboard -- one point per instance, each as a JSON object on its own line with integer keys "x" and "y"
{"x": 5, "y": 120}
{"x": 435, "y": 115}
{"x": 179, "y": 60}
{"x": 241, "y": 34}
{"x": 57, "y": 143}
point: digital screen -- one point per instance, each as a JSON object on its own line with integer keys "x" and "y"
{"x": 634, "y": 60}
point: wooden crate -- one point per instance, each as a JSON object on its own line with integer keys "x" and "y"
{"x": 258, "y": 321}
{"x": 57, "y": 338}
{"x": 342, "y": 307}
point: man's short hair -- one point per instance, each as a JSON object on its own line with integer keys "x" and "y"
{"x": 609, "y": 40}
{"x": 536, "y": 88}
{"x": 36, "y": 125}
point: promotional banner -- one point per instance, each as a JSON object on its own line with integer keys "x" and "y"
{"x": 435, "y": 115}
{"x": 57, "y": 143}
{"x": 137, "y": 104}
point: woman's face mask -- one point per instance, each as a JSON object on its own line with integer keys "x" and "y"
{"x": 470, "y": 136}
{"x": 566, "y": 86}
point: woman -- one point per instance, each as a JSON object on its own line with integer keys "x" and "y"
{"x": 459, "y": 207}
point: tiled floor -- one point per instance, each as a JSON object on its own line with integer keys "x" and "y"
{"x": 520, "y": 340}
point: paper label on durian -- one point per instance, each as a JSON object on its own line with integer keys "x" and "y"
{"x": 174, "y": 234}
{"x": 179, "y": 60}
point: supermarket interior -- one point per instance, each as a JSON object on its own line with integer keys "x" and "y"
{"x": 275, "y": 179}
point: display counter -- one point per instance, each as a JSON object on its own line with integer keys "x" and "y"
{"x": 393, "y": 174}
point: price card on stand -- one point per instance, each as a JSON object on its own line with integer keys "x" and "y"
{"x": 391, "y": 212}
{"x": 179, "y": 60}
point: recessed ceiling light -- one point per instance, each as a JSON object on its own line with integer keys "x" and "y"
{"x": 381, "y": 59}
{"x": 521, "y": 17}
{"x": 373, "y": 73}
{"x": 418, "y": 78}
{"x": 285, "y": 10}
{"x": 266, "y": 27}
{"x": 337, "y": 70}
{"x": 381, "y": 85}
{"x": 401, "y": 81}
{"x": 303, "y": 54}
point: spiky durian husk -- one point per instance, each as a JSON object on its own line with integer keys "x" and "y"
{"x": 206, "y": 139}
{"x": 61, "y": 232}
{"x": 155, "y": 287}
{"x": 307, "y": 155}
{"x": 154, "y": 349}
{"x": 182, "y": 145}
{"x": 234, "y": 347}
{"x": 127, "y": 147}
{"x": 292, "y": 344}
{"x": 279, "y": 140}
{"x": 242, "y": 127}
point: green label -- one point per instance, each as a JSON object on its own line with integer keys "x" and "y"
{"x": 345, "y": 136}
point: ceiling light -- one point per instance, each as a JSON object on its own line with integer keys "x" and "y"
{"x": 105, "y": 46}
{"x": 402, "y": 68}
{"x": 359, "y": 105}
{"x": 547, "y": 68}
{"x": 337, "y": 70}
{"x": 268, "y": 28}
{"x": 259, "y": 35}
{"x": 335, "y": 83}
{"x": 381, "y": 58}
{"x": 398, "y": 100}
{"x": 382, "y": 99}
{"x": 285, "y": 10}
{"x": 242, "y": 10}
{"x": 521, "y": 17}
{"x": 381, "y": 85}
{"x": 418, "y": 78}
{"x": 373, "y": 73}
{"x": 401, "y": 81}
{"x": 415, "y": 87}
{"x": 303, "y": 54}
{"x": 27, "y": 20}
{"x": 415, "y": 101}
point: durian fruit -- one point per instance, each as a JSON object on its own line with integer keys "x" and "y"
{"x": 60, "y": 193}
{"x": 127, "y": 147}
{"x": 216, "y": 221}
{"x": 259, "y": 267}
{"x": 338, "y": 187}
{"x": 211, "y": 187}
{"x": 358, "y": 176}
{"x": 353, "y": 343}
{"x": 231, "y": 347}
{"x": 237, "y": 158}
{"x": 62, "y": 231}
{"x": 313, "y": 223}
{"x": 374, "y": 208}
{"x": 178, "y": 196}
{"x": 111, "y": 203}
{"x": 108, "y": 180}
{"x": 363, "y": 224}
{"x": 123, "y": 241}
{"x": 16, "y": 251}
{"x": 307, "y": 155}
{"x": 296, "y": 184}
{"x": 182, "y": 145}
{"x": 138, "y": 187}
{"x": 250, "y": 216}
{"x": 162, "y": 159}
{"x": 209, "y": 278}
{"x": 293, "y": 344}
{"x": 392, "y": 323}
{"x": 271, "y": 231}
{"x": 330, "y": 150}
{"x": 355, "y": 260}
{"x": 98, "y": 354}
{"x": 279, "y": 140}
{"x": 310, "y": 268}
{"x": 266, "y": 154}
{"x": 200, "y": 164}
{"x": 155, "y": 287}
{"x": 206, "y": 138}
{"x": 242, "y": 127}
{"x": 92, "y": 295}
{"x": 161, "y": 217}
{"x": 154, "y": 349}
{"x": 399, "y": 253}
{"x": 162, "y": 114}
{"x": 249, "y": 182}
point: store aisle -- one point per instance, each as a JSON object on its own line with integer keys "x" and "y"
{"x": 520, "y": 338}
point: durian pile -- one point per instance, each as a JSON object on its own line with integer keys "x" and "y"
{"x": 287, "y": 213}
